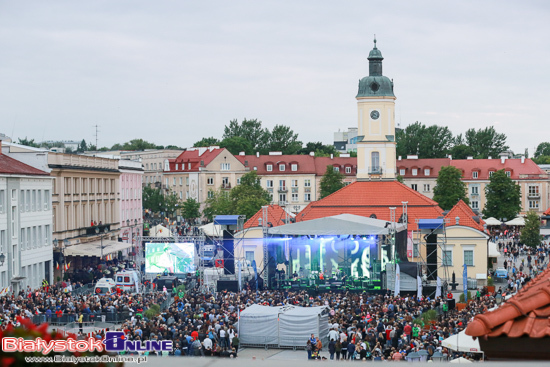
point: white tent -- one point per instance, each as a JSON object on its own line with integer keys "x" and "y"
{"x": 519, "y": 221}
{"x": 212, "y": 230}
{"x": 493, "y": 250}
{"x": 283, "y": 325}
{"x": 492, "y": 221}
{"x": 462, "y": 343}
{"x": 461, "y": 360}
{"x": 159, "y": 231}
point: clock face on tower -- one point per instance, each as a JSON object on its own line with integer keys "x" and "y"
{"x": 374, "y": 115}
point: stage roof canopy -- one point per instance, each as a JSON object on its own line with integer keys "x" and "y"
{"x": 343, "y": 224}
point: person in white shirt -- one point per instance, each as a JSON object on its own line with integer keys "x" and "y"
{"x": 207, "y": 343}
{"x": 343, "y": 337}
{"x": 333, "y": 335}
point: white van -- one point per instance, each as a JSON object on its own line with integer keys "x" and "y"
{"x": 128, "y": 280}
{"x": 105, "y": 286}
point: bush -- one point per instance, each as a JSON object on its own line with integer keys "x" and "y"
{"x": 428, "y": 316}
{"x": 490, "y": 281}
{"x": 152, "y": 311}
{"x": 418, "y": 321}
{"x": 180, "y": 288}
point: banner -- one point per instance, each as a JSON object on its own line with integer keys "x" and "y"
{"x": 438, "y": 288}
{"x": 397, "y": 281}
{"x": 419, "y": 290}
{"x": 465, "y": 282}
{"x": 410, "y": 244}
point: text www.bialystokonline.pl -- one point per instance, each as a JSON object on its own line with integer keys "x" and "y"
{"x": 90, "y": 359}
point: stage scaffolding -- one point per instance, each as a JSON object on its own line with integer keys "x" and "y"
{"x": 431, "y": 254}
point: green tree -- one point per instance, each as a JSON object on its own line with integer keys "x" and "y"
{"x": 543, "y": 159}
{"x": 171, "y": 203}
{"x": 218, "y": 203}
{"x": 251, "y": 130}
{"x": 331, "y": 181}
{"x": 408, "y": 140}
{"x": 153, "y": 199}
{"x": 486, "y": 142}
{"x": 503, "y": 197}
{"x": 172, "y": 147}
{"x": 449, "y": 188}
{"x": 82, "y": 147}
{"x": 400, "y": 178}
{"x": 237, "y": 144}
{"x": 543, "y": 149}
{"x": 283, "y": 139}
{"x": 436, "y": 142}
{"x": 207, "y": 142}
{"x": 249, "y": 196}
{"x": 320, "y": 149}
{"x": 530, "y": 234}
{"x": 27, "y": 142}
{"x": 191, "y": 209}
{"x": 461, "y": 151}
{"x": 138, "y": 144}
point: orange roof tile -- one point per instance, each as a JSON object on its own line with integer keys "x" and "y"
{"x": 547, "y": 212}
{"x": 11, "y": 166}
{"x": 466, "y": 215}
{"x": 366, "y": 198}
{"x": 275, "y": 216}
{"x": 527, "y": 313}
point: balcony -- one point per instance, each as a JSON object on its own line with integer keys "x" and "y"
{"x": 307, "y": 189}
{"x": 375, "y": 170}
{"x": 533, "y": 195}
{"x": 226, "y": 186}
{"x": 103, "y": 228}
{"x": 294, "y": 190}
{"x": 270, "y": 189}
{"x": 283, "y": 189}
{"x": 475, "y": 194}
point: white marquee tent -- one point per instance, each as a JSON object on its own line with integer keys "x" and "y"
{"x": 282, "y": 326}
{"x": 159, "y": 231}
{"x": 492, "y": 221}
{"x": 462, "y": 343}
{"x": 519, "y": 221}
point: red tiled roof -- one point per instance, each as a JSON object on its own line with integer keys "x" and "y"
{"x": 275, "y": 216}
{"x": 547, "y": 212}
{"x": 11, "y": 166}
{"x": 466, "y": 214}
{"x": 321, "y": 164}
{"x": 525, "y": 314}
{"x": 193, "y": 156}
{"x": 373, "y": 197}
{"x": 527, "y": 170}
{"x": 306, "y": 164}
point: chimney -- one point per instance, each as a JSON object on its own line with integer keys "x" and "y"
{"x": 257, "y": 154}
{"x": 490, "y": 157}
{"x": 470, "y": 157}
{"x": 241, "y": 153}
{"x": 522, "y": 157}
{"x": 450, "y": 157}
{"x": 312, "y": 154}
{"x": 399, "y": 158}
{"x": 331, "y": 156}
{"x": 412, "y": 157}
{"x": 457, "y": 220}
{"x": 502, "y": 160}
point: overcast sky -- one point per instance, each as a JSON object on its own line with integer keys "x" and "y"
{"x": 172, "y": 72}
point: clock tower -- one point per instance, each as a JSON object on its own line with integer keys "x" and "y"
{"x": 376, "y": 123}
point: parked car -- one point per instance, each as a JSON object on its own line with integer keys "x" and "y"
{"x": 501, "y": 273}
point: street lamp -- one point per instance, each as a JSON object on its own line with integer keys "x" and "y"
{"x": 498, "y": 298}
{"x": 101, "y": 236}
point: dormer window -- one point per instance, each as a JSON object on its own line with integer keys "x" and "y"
{"x": 269, "y": 167}
{"x": 281, "y": 167}
{"x": 508, "y": 173}
{"x": 426, "y": 171}
{"x": 177, "y": 166}
{"x": 415, "y": 172}
{"x": 189, "y": 165}
{"x": 294, "y": 167}
{"x": 402, "y": 171}
{"x": 475, "y": 174}
{"x": 336, "y": 169}
{"x": 348, "y": 169}
{"x": 491, "y": 173}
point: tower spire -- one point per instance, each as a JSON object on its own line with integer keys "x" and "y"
{"x": 375, "y": 42}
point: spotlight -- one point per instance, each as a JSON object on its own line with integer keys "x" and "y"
{"x": 364, "y": 238}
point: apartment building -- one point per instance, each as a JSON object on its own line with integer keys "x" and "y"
{"x": 26, "y": 256}
{"x": 154, "y": 162}
{"x": 131, "y": 206}
{"x": 198, "y": 172}
{"x": 421, "y": 175}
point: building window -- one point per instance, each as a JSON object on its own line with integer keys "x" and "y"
{"x": 269, "y": 167}
{"x": 533, "y": 204}
{"x": 22, "y": 201}
{"x": 225, "y": 166}
{"x": 416, "y": 250}
{"x": 210, "y": 194}
{"x": 2, "y": 200}
{"x": 210, "y": 181}
{"x": 475, "y": 204}
{"x": 281, "y": 167}
{"x": 249, "y": 256}
{"x": 475, "y": 174}
{"x": 447, "y": 258}
{"x": 508, "y": 173}
{"x": 336, "y": 169}
{"x": 402, "y": 171}
{"x": 282, "y": 184}
{"x": 294, "y": 197}
{"x": 307, "y": 183}
{"x": 173, "y": 181}
{"x": 255, "y": 168}
{"x": 426, "y": 171}
{"x": 269, "y": 183}
{"x": 177, "y": 166}
{"x": 469, "y": 257}
{"x": 187, "y": 181}
{"x": 375, "y": 161}
{"x": 294, "y": 183}
{"x": 181, "y": 194}
{"x": 282, "y": 198}
{"x": 225, "y": 181}
{"x": 47, "y": 200}
{"x": 426, "y": 187}
{"x": 491, "y": 173}
{"x": 181, "y": 181}
{"x": 414, "y": 171}
{"x": 533, "y": 191}
{"x": 475, "y": 190}
{"x": 294, "y": 167}
{"x": 414, "y": 187}
{"x": 307, "y": 197}
{"x": 348, "y": 170}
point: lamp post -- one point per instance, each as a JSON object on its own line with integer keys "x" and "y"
{"x": 101, "y": 236}
{"x": 132, "y": 233}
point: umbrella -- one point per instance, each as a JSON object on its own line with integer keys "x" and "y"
{"x": 462, "y": 343}
{"x": 460, "y": 360}
{"x": 519, "y": 221}
{"x": 492, "y": 221}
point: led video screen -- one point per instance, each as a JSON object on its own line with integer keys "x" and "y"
{"x": 174, "y": 258}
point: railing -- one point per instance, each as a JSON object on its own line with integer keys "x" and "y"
{"x": 307, "y": 189}
{"x": 283, "y": 189}
{"x": 226, "y": 185}
{"x": 85, "y": 289}
{"x": 294, "y": 190}
{"x": 533, "y": 195}
{"x": 103, "y": 228}
{"x": 375, "y": 170}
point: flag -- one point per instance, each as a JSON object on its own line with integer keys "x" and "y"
{"x": 397, "y": 281}
{"x": 465, "y": 282}
{"x": 57, "y": 265}
{"x": 68, "y": 265}
{"x": 438, "y": 288}
{"x": 419, "y": 289}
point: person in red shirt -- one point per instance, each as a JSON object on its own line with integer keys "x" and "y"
{"x": 407, "y": 330}
{"x": 195, "y": 335}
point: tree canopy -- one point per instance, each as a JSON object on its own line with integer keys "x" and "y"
{"x": 207, "y": 142}
{"x": 27, "y": 142}
{"x": 320, "y": 149}
{"x": 331, "y": 181}
{"x": 530, "y": 234}
{"x": 237, "y": 144}
{"x": 449, "y": 188}
{"x": 190, "y": 209}
{"x": 486, "y": 142}
{"x": 502, "y": 197}
{"x": 158, "y": 202}
{"x": 136, "y": 144}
